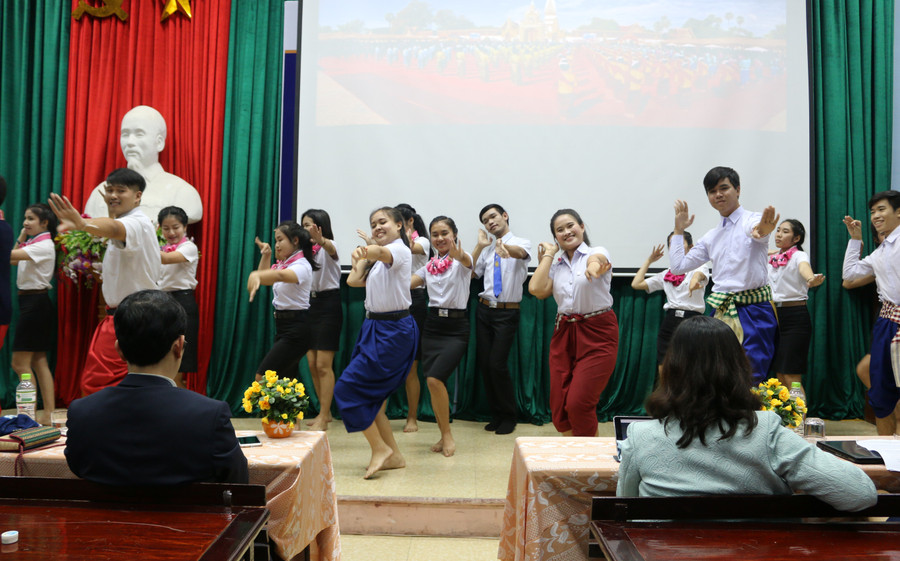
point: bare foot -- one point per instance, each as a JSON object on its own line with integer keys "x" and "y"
{"x": 384, "y": 460}
{"x": 316, "y": 420}
{"x": 446, "y": 446}
{"x": 319, "y": 425}
{"x": 411, "y": 426}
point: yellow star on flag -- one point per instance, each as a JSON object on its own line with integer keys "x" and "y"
{"x": 173, "y": 6}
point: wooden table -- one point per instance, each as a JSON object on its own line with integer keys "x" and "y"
{"x": 299, "y": 480}
{"x": 551, "y": 482}
{"x": 719, "y": 541}
{"x": 79, "y": 530}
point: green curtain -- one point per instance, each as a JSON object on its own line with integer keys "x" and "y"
{"x": 34, "y": 48}
{"x": 249, "y": 194}
{"x": 851, "y": 48}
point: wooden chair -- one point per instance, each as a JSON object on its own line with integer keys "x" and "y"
{"x": 738, "y": 526}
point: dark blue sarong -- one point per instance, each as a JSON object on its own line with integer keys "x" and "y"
{"x": 384, "y": 353}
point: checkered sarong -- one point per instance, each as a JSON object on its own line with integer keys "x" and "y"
{"x": 725, "y": 304}
{"x": 891, "y": 312}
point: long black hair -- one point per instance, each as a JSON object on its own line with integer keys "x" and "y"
{"x": 418, "y": 224}
{"x": 705, "y": 382}
{"x": 397, "y": 217}
{"x": 573, "y": 214}
{"x": 43, "y": 212}
{"x": 321, "y": 219}
{"x": 798, "y": 230}
{"x": 298, "y": 236}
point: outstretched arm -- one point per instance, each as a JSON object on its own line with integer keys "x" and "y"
{"x": 541, "y": 285}
{"x": 70, "y": 220}
{"x": 639, "y": 282}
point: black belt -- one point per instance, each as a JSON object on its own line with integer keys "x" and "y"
{"x": 446, "y": 312}
{"x": 679, "y": 313}
{"x": 325, "y": 293}
{"x": 32, "y": 291}
{"x": 184, "y": 291}
{"x": 388, "y": 315}
{"x": 290, "y": 314}
{"x": 499, "y": 305}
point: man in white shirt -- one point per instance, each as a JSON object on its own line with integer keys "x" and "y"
{"x": 131, "y": 263}
{"x": 503, "y": 263}
{"x": 884, "y": 263}
{"x": 737, "y": 248}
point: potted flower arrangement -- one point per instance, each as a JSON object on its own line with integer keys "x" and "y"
{"x": 280, "y": 401}
{"x": 776, "y": 397}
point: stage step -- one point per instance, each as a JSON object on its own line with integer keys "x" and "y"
{"x": 421, "y": 516}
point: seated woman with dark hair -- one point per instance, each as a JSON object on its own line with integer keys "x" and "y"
{"x": 708, "y": 436}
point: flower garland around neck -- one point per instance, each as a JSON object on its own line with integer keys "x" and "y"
{"x": 437, "y": 265}
{"x": 673, "y": 278}
{"x": 781, "y": 259}
{"x": 170, "y": 247}
{"x": 38, "y": 238}
{"x": 284, "y": 264}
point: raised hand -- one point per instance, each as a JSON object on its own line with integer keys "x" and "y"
{"x": 315, "y": 233}
{"x": 361, "y": 253}
{"x": 546, "y": 248}
{"x": 501, "y": 250}
{"x": 69, "y": 217}
{"x": 596, "y": 269}
{"x": 683, "y": 217}
{"x": 456, "y": 250}
{"x": 816, "y": 280}
{"x": 656, "y": 254}
{"x": 483, "y": 239}
{"x": 264, "y": 248}
{"x": 364, "y": 236}
{"x": 766, "y": 223}
{"x": 854, "y": 227}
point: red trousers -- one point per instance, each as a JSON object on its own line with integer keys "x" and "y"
{"x": 582, "y": 358}
{"x": 103, "y": 367}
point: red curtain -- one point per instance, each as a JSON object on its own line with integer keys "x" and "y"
{"x": 179, "y": 67}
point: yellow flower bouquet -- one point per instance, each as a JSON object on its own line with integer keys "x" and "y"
{"x": 277, "y": 400}
{"x": 777, "y": 398}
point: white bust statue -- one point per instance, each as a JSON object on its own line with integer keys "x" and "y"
{"x": 143, "y": 138}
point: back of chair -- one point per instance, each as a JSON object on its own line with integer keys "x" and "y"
{"x": 195, "y": 494}
{"x": 712, "y": 507}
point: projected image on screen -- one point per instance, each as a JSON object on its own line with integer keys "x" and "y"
{"x": 604, "y": 62}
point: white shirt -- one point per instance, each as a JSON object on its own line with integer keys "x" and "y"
{"x": 679, "y": 297}
{"x": 449, "y": 289}
{"x": 787, "y": 283}
{"x": 884, "y": 263}
{"x": 512, "y": 271}
{"x": 418, "y": 261}
{"x": 738, "y": 259}
{"x": 294, "y": 296}
{"x": 573, "y": 292}
{"x": 328, "y": 276}
{"x": 132, "y": 265}
{"x": 387, "y": 286}
{"x": 181, "y": 276}
{"x": 37, "y": 273}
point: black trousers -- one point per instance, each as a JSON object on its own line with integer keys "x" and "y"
{"x": 495, "y": 331}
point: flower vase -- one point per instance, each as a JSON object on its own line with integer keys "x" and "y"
{"x": 277, "y": 430}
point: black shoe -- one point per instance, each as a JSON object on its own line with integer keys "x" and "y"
{"x": 492, "y": 426}
{"x": 506, "y": 427}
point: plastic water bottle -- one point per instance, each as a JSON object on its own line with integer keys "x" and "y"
{"x": 797, "y": 391}
{"x": 26, "y": 397}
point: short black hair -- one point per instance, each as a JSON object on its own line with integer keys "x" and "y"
{"x": 686, "y": 236}
{"x": 717, "y": 174}
{"x": 127, "y": 178}
{"x": 891, "y": 196}
{"x": 176, "y": 211}
{"x": 499, "y": 208}
{"x": 147, "y": 323}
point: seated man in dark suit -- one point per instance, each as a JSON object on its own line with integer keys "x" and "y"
{"x": 146, "y": 431}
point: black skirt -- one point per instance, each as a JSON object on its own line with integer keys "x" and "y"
{"x": 794, "y": 335}
{"x": 192, "y": 334}
{"x": 672, "y": 320}
{"x": 36, "y": 330}
{"x": 419, "y": 309}
{"x": 326, "y": 318}
{"x": 443, "y": 345}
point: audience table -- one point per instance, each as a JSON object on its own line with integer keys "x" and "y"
{"x": 296, "y": 471}
{"x": 551, "y": 482}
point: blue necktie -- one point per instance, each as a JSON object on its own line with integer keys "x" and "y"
{"x": 498, "y": 277}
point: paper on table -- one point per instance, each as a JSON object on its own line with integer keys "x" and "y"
{"x": 889, "y": 450}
